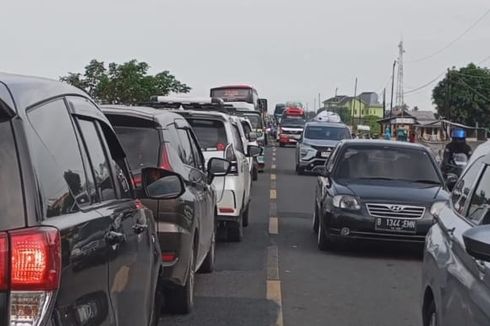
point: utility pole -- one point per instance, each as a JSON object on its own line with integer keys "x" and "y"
{"x": 392, "y": 88}
{"x": 384, "y": 103}
{"x": 336, "y": 90}
{"x": 319, "y": 101}
{"x": 314, "y": 103}
{"x": 352, "y": 104}
{"x": 400, "y": 100}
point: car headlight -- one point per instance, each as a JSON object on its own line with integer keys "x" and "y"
{"x": 346, "y": 202}
{"x": 305, "y": 149}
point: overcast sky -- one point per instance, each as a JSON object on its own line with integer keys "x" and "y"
{"x": 290, "y": 50}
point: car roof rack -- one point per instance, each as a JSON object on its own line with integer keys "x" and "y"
{"x": 191, "y": 104}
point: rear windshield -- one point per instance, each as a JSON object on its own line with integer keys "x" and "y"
{"x": 324, "y": 132}
{"x": 211, "y": 134}
{"x": 142, "y": 146}
{"x": 293, "y": 122}
{"x": 11, "y": 198}
{"x": 255, "y": 120}
{"x": 387, "y": 163}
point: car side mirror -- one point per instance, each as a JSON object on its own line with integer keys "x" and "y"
{"x": 451, "y": 181}
{"x": 217, "y": 167}
{"x": 477, "y": 242}
{"x": 162, "y": 184}
{"x": 252, "y": 136}
{"x": 253, "y": 150}
{"x": 321, "y": 171}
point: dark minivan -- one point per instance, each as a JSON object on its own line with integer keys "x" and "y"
{"x": 186, "y": 226}
{"x": 76, "y": 246}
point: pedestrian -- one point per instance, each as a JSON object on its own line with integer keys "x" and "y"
{"x": 388, "y": 133}
{"x": 412, "y": 137}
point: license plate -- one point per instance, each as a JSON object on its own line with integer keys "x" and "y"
{"x": 325, "y": 154}
{"x": 395, "y": 225}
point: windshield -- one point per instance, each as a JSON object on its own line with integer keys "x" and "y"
{"x": 142, "y": 146}
{"x": 324, "y": 132}
{"x": 255, "y": 120}
{"x": 293, "y": 122}
{"x": 279, "y": 109}
{"x": 211, "y": 134}
{"x": 402, "y": 164}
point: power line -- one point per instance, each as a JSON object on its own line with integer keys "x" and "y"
{"x": 474, "y": 90}
{"x": 426, "y": 84}
{"x": 466, "y": 31}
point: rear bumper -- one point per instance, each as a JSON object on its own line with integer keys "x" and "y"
{"x": 231, "y": 198}
{"x": 309, "y": 165}
{"x": 287, "y": 140}
{"x": 175, "y": 239}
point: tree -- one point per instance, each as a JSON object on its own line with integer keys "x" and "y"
{"x": 464, "y": 95}
{"x": 127, "y": 83}
{"x": 372, "y": 122}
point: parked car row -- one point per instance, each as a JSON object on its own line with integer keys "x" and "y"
{"x": 108, "y": 212}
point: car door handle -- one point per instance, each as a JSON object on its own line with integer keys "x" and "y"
{"x": 114, "y": 237}
{"x": 140, "y": 228}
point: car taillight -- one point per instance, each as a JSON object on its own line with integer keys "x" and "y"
{"x": 4, "y": 264}
{"x": 168, "y": 256}
{"x": 164, "y": 159}
{"x": 220, "y": 147}
{"x": 137, "y": 180}
{"x": 231, "y": 156}
{"x": 33, "y": 266}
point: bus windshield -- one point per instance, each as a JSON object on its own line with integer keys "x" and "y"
{"x": 233, "y": 94}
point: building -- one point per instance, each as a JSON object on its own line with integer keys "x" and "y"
{"x": 363, "y": 105}
{"x": 423, "y": 123}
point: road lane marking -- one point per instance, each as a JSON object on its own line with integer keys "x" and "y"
{"x": 273, "y": 177}
{"x": 273, "y": 194}
{"x": 273, "y": 283}
{"x": 273, "y": 225}
{"x": 274, "y": 159}
{"x": 273, "y": 167}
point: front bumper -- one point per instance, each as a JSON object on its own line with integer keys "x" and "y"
{"x": 362, "y": 227}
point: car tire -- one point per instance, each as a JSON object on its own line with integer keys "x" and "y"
{"x": 235, "y": 230}
{"x": 299, "y": 170}
{"x": 315, "y": 219}
{"x": 255, "y": 173}
{"x": 157, "y": 306}
{"x": 208, "y": 263}
{"x": 430, "y": 315}
{"x": 245, "y": 217}
{"x": 323, "y": 241}
{"x": 180, "y": 299}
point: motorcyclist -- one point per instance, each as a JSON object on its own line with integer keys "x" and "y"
{"x": 457, "y": 145}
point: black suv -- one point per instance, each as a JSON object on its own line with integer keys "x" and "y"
{"x": 76, "y": 246}
{"x": 186, "y": 226}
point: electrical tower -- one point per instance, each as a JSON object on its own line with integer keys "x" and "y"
{"x": 400, "y": 101}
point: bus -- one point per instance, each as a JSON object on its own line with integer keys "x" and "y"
{"x": 242, "y": 97}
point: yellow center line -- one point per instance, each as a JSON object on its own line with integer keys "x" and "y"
{"x": 273, "y": 225}
{"x": 273, "y": 194}
{"x": 273, "y": 283}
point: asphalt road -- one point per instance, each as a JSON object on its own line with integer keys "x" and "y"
{"x": 277, "y": 276}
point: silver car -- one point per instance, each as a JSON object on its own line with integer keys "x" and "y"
{"x": 456, "y": 267}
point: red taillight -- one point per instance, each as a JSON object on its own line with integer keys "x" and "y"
{"x": 168, "y": 257}
{"x": 164, "y": 159}
{"x": 137, "y": 180}
{"x": 226, "y": 210}
{"x": 4, "y": 261}
{"x": 35, "y": 259}
{"x": 220, "y": 147}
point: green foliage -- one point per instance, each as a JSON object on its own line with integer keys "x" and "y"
{"x": 127, "y": 83}
{"x": 464, "y": 96}
{"x": 372, "y": 122}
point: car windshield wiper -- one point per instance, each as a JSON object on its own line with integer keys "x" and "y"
{"x": 377, "y": 178}
{"x": 432, "y": 182}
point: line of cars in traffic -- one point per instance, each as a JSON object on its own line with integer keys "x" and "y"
{"x": 388, "y": 191}
{"x": 107, "y": 212}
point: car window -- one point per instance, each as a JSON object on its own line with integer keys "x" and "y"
{"x": 186, "y": 154}
{"x": 463, "y": 187}
{"x": 331, "y": 160}
{"x": 98, "y": 159}
{"x": 11, "y": 200}
{"x": 326, "y": 133}
{"x": 237, "y": 139}
{"x": 211, "y": 134}
{"x": 246, "y": 129}
{"x": 57, "y": 159}
{"x": 480, "y": 201}
{"x": 198, "y": 158}
{"x": 392, "y": 163}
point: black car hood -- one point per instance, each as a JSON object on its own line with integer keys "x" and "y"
{"x": 393, "y": 191}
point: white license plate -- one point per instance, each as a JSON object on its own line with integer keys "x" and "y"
{"x": 325, "y": 154}
{"x": 396, "y": 225}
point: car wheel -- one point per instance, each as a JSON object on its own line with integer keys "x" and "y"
{"x": 315, "y": 219}
{"x": 430, "y": 315}
{"x": 245, "y": 217}
{"x": 255, "y": 173}
{"x": 180, "y": 300}
{"x": 324, "y": 243}
{"x": 235, "y": 230}
{"x": 208, "y": 264}
{"x": 299, "y": 170}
